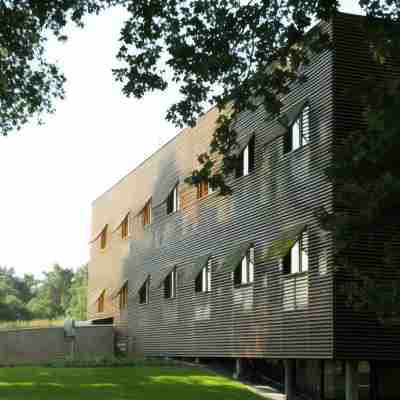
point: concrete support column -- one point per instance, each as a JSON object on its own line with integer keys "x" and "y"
{"x": 373, "y": 381}
{"x": 290, "y": 371}
{"x": 321, "y": 388}
{"x": 238, "y": 368}
{"x": 352, "y": 380}
{"x": 197, "y": 360}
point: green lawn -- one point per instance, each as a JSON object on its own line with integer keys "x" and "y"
{"x": 119, "y": 383}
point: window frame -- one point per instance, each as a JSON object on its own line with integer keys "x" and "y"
{"x": 203, "y": 189}
{"x": 125, "y": 231}
{"x": 103, "y": 239}
{"x": 174, "y": 200}
{"x": 144, "y": 289}
{"x": 171, "y": 290}
{"x": 123, "y": 297}
{"x": 203, "y": 279}
{"x": 100, "y": 303}
{"x": 302, "y": 121}
{"x": 147, "y": 214}
{"x": 246, "y": 159}
{"x": 302, "y": 261}
{"x": 243, "y": 274}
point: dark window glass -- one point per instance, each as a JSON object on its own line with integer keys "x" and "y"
{"x": 170, "y": 203}
{"x": 287, "y": 142}
{"x": 144, "y": 293}
{"x": 170, "y": 285}
{"x": 286, "y": 263}
{"x": 199, "y": 282}
{"x": 239, "y": 168}
{"x": 251, "y": 154}
{"x": 167, "y": 287}
{"x": 237, "y": 275}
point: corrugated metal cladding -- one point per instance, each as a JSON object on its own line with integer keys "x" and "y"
{"x": 360, "y": 335}
{"x": 278, "y": 316}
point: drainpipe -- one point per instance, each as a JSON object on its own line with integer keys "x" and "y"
{"x": 290, "y": 371}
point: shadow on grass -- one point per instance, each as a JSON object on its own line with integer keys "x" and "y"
{"x": 138, "y": 383}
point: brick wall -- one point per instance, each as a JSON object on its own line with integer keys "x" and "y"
{"x": 35, "y": 346}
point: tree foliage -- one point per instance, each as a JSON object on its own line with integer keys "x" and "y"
{"x": 366, "y": 176}
{"x": 53, "y": 295}
{"x": 220, "y": 52}
{"x": 60, "y": 293}
{"x": 15, "y": 293}
{"x": 78, "y": 292}
{"x": 29, "y": 84}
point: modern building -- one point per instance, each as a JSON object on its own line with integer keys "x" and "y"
{"x": 185, "y": 272}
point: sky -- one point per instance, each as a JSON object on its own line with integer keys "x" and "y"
{"x": 50, "y": 174}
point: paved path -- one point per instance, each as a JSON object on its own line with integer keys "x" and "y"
{"x": 267, "y": 391}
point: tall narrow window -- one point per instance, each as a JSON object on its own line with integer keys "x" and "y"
{"x": 246, "y": 160}
{"x": 203, "y": 280}
{"x": 125, "y": 227}
{"x": 144, "y": 293}
{"x": 296, "y": 260}
{"x": 203, "y": 189}
{"x": 123, "y": 297}
{"x": 173, "y": 200}
{"x": 147, "y": 213}
{"x": 298, "y": 134}
{"x": 103, "y": 238}
{"x": 244, "y": 272}
{"x": 170, "y": 285}
{"x": 100, "y": 303}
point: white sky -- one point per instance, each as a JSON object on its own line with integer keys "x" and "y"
{"x": 50, "y": 174}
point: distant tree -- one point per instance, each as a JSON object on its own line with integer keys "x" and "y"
{"x": 53, "y": 295}
{"x": 26, "y": 287}
{"x": 60, "y": 293}
{"x": 78, "y": 294}
{"x": 14, "y": 295}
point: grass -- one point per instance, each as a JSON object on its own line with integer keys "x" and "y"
{"x": 123, "y": 383}
{"x": 35, "y": 323}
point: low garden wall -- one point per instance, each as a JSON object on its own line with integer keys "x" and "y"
{"x": 42, "y": 345}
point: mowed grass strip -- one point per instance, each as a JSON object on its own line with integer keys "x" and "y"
{"x": 120, "y": 383}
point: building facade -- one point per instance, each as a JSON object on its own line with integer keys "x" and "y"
{"x": 183, "y": 271}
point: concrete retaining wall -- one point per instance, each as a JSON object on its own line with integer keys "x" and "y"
{"x": 35, "y": 346}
